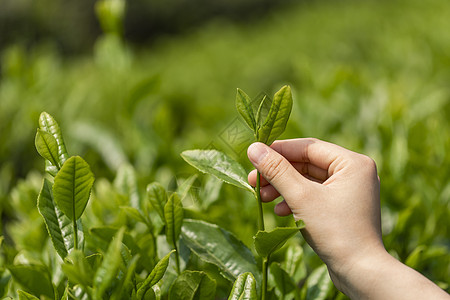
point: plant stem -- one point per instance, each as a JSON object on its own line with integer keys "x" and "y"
{"x": 265, "y": 269}
{"x": 177, "y": 259}
{"x": 258, "y": 198}
{"x": 75, "y": 234}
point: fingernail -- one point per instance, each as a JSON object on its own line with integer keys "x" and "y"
{"x": 256, "y": 152}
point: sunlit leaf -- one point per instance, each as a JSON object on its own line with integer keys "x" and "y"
{"x": 193, "y": 285}
{"x": 48, "y": 124}
{"x": 219, "y": 247}
{"x": 276, "y": 120}
{"x": 47, "y": 147}
{"x": 72, "y": 187}
{"x": 218, "y": 164}
{"x": 244, "y": 288}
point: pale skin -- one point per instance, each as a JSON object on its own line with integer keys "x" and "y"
{"x": 336, "y": 193}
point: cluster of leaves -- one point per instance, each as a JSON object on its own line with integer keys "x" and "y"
{"x": 122, "y": 260}
{"x": 376, "y": 86}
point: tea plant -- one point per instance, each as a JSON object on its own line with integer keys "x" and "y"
{"x": 267, "y": 119}
{"x": 125, "y": 250}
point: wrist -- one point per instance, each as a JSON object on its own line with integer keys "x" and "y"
{"x": 357, "y": 273}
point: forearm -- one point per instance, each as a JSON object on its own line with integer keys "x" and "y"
{"x": 384, "y": 277}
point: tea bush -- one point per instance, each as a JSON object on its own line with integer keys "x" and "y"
{"x": 371, "y": 76}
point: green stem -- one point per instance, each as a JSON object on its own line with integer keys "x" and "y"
{"x": 258, "y": 198}
{"x": 177, "y": 259}
{"x": 75, "y": 234}
{"x": 265, "y": 270}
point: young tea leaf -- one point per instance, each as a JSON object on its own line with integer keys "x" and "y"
{"x": 46, "y": 208}
{"x": 72, "y": 187}
{"x": 126, "y": 183}
{"x": 47, "y": 147}
{"x": 283, "y": 281}
{"x": 318, "y": 284}
{"x": 193, "y": 285}
{"x": 109, "y": 267}
{"x": 276, "y": 120}
{"x": 184, "y": 188}
{"x": 219, "y": 247}
{"x": 173, "y": 212}
{"x": 33, "y": 278}
{"x": 77, "y": 269}
{"x": 48, "y": 124}
{"x": 155, "y": 276}
{"x": 244, "y": 107}
{"x": 157, "y": 196}
{"x": 25, "y": 296}
{"x": 294, "y": 263}
{"x": 244, "y": 288}
{"x": 267, "y": 242}
{"x": 218, "y": 164}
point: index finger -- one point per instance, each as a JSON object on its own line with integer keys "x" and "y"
{"x": 317, "y": 152}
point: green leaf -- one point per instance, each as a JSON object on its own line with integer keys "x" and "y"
{"x": 173, "y": 212}
{"x": 126, "y": 183}
{"x": 282, "y": 279}
{"x": 126, "y": 285}
{"x": 25, "y": 296}
{"x": 294, "y": 263}
{"x": 244, "y": 107}
{"x": 415, "y": 257}
{"x": 218, "y": 164}
{"x": 133, "y": 214}
{"x": 33, "y": 278}
{"x": 267, "y": 242}
{"x": 157, "y": 196}
{"x": 193, "y": 285}
{"x": 77, "y": 269}
{"x": 219, "y": 247}
{"x": 276, "y": 120}
{"x": 319, "y": 284}
{"x": 72, "y": 187}
{"x": 48, "y": 124}
{"x": 107, "y": 271}
{"x": 47, "y": 147}
{"x": 183, "y": 189}
{"x": 5, "y": 278}
{"x": 46, "y": 208}
{"x": 263, "y": 110}
{"x": 59, "y": 227}
{"x": 155, "y": 276}
{"x": 244, "y": 288}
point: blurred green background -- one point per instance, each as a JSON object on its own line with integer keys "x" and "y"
{"x": 138, "y": 82}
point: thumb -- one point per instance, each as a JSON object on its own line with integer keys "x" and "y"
{"x": 278, "y": 171}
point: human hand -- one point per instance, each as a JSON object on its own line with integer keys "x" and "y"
{"x": 333, "y": 190}
{"x": 336, "y": 193}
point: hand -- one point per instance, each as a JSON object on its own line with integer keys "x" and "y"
{"x": 336, "y": 193}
